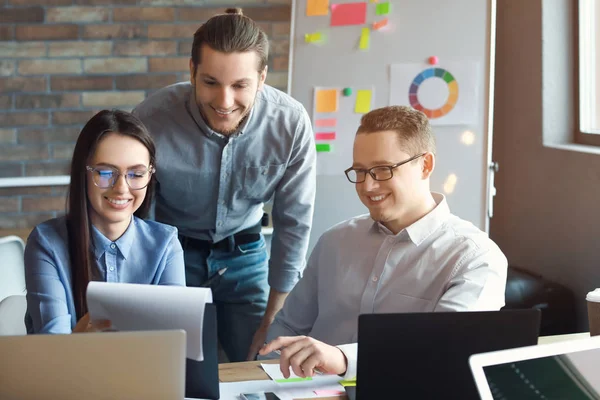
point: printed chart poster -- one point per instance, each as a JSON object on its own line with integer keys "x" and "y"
{"x": 448, "y": 94}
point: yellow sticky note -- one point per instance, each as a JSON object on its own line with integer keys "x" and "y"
{"x": 327, "y": 100}
{"x": 348, "y": 383}
{"x": 313, "y": 37}
{"x": 317, "y": 7}
{"x": 364, "y": 39}
{"x": 363, "y": 101}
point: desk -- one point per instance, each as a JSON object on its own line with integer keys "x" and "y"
{"x": 562, "y": 338}
{"x": 251, "y": 371}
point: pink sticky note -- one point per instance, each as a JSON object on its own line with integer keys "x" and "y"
{"x": 329, "y": 392}
{"x": 326, "y": 122}
{"x": 325, "y": 136}
{"x": 348, "y": 14}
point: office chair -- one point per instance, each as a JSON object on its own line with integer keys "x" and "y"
{"x": 12, "y": 266}
{"x": 12, "y": 315}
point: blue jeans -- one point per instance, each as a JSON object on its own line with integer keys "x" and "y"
{"x": 240, "y": 294}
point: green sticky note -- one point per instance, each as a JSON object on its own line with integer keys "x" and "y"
{"x": 348, "y": 383}
{"x": 308, "y": 378}
{"x": 323, "y": 147}
{"x": 382, "y": 8}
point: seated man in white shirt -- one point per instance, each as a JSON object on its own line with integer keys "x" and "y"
{"x": 410, "y": 254}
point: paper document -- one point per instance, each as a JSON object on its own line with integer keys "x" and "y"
{"x": 136, "y": 307}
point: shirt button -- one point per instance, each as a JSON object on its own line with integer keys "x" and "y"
{"x": 374, "y": 279}
{"x": 264, "y": 172}
{"x": 112, "y": 246}
{"x": 219, "y": 223}
{"x": 111, "y": 269}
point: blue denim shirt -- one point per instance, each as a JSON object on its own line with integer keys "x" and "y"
{"x": 148, "y": 252}
{"x": 211, "y": 186}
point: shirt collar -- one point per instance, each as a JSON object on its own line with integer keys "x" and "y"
{"x": 194, "y": 111}
{"x": 421, "y": 229}
{"x": 101, "y": 243}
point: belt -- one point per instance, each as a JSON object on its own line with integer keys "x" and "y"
{"x": 248, "y": 235}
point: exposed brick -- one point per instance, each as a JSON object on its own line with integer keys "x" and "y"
{"x": 279, "y": 2}
{"x": 39, "y": 67}
{"x": 63, "y": 151}
{"x": 5, "y": 101}
{"x": 9, "y": 204}
{"x": 168, "y": 64}
{"x": 23, "y": 119}
{"x": 277, "y": 79}
{"x": 199, "y": 14}
{"x": 39, "y": 204}
{"x": 8, "y": 136}
{"x": 21, "y": 152}
{"x": 112, "y": 99}
{"x": 77, "y": 14}
{"x": 18, "y": 84}
{"x": 114, "y": 31}
{"x": 7, "y": 68}
{"x": 266, "y": 27}
{"x": 37, "y": 101}
{"x": 185, "y": 77}
{"x": 145, "y": 48}
{"x": 274, "y": 13}
{"x": 51, "y": 168}
{"x": 115, "y": 65}
{"x": 25, "y": 191}
{"x": 80, "y": 49}
{"x": 280, "y": 63}
{"x": 144, "y": 81}
{"x": 22, "y": 50}
{"x": 279, "y": 47}
{"x": 107, "y": 2}
{"x": 71, "y": 117}
{"x": 21, "y": 221}
{"x": 185, "y": 47}
{"x": 40, "y": 2}
{"x": 46, "y": 135}
{"x": 7, "y": 32}
{"x": 165, "y": 31}
{"x": 280, "y": 30}
{"x": 28, "y": 14}
{"x": 64, "y": 83}
{"x": 143, "y": 14}
{"x": 11, "y": 170}
{"x": 46, "y": 32}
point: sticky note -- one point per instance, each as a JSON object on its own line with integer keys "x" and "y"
{"x": 363, "y": 101}
{"x": 348, "y": 383}
{"x": 313, "y": 37}
{"x": 323, "y": 147}
{"x": 348, "y": 14}
{"x": 327, "y": 101}
{"x": 380, "y": 24}
{"x": 329, "y": 392}
{"x": 325, "y": 136}
{"x": 325, "y": 122}
{"x": 364, "y": 39}
{"x": 317, "y": 7}
{"x": 383, "y": 8}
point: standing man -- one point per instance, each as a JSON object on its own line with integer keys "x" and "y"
{"x": 227, "y": 143}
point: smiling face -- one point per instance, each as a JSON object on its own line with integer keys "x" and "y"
{"x": 226, "y": 85}
{"x": 110, "y": 209}
{"x": 403, "y": 199}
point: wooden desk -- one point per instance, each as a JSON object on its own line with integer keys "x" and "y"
{"x": 251, "y": 371}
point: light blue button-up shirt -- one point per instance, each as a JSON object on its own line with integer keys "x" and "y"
{"x": 148, "y": 252}
{"x": 211, "y": 186}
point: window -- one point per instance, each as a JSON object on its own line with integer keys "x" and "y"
{"x": 589, "y": 75}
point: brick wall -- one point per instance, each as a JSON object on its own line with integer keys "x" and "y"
{"x": 63, "y": 60}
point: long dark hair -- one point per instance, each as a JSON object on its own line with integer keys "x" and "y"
{"x": 78, "y": 220}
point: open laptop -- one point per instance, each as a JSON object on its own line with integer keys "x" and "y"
{"x": 562, "y": 370}
{"x": 425, "y": 355}
{"x": 94, "y": 366}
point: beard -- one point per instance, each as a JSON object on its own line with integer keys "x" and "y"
{"x": 227, "y": 131}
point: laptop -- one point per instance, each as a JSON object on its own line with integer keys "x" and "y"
{"x": 94, "y": 366}
{"x": 562, "y": 370}
{"x": 425, "y": 355}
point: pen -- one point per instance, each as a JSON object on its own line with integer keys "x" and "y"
{"x": 209, "y": 282}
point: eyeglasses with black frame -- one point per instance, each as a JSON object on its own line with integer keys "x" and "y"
{"x": 106, "y": 177}
{"x": 378, "y": 172}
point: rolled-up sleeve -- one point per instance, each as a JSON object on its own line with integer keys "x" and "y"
{"x": 293, "y": 211}
{"x": 46, "y": 295}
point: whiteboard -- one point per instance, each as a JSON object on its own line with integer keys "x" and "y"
{"x": 460, "y": 33}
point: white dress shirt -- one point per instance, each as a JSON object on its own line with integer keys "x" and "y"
{"x": 439, "y": 263}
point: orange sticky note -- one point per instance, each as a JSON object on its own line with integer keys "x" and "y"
{"x": 380, "y": 24}
{"x": 327, "y": 101}
{"x": 317, "y": 7}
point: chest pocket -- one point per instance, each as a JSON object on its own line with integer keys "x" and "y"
{"x": 260, "y": 182}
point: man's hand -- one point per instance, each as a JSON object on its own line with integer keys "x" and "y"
{"x": 306, "y": 355}
{"x": 258, "y": 341}
{"x": 85, "y": 325}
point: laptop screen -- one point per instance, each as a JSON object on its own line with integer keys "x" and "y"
{"x": 572, "y": 376}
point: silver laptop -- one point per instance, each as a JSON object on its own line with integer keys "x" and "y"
{"x": 562, "y": 370}
{"x": 94, "y": 366}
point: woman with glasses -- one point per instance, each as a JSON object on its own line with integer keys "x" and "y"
{"x": 102, "y": 236}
